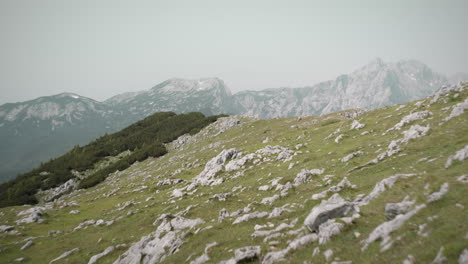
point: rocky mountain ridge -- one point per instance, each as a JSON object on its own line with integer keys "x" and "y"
{"x": 346, "y": 187}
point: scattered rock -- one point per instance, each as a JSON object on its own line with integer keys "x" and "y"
{"x": 250, "y": 216}
{"x": 277, "y": 256}
{"x": 248, "y": 253}
{"x": 214, "y": 166}
{"x": 381, "y": 186}
{"x": 460, "y": 155}
{"x": 334, "y": 207}
{"x": 457, "y": 110}
{"x": 356, "y": 125}
{"x": 96, "y": 257}
{"x": 394, "y": 209}
{"x": 28, "y": 244}
{"x": 440, "y": 258}
{"x": 463, "y": 179}
{"x": 328, "y": 229}
{"x": 33, "y": 215}
{"x": 303, "y": 175}
{"x": 339, "y": 138}
{"x": 64, "y": 255}
{"x": 463, "y": 259}
{"x": 328, "y": 254}
{"x": 5, "y": 228}
{"x": 409, "y": 260}
{"x": 270, "y": 200}
{"x": 410, "y": 118}
{"x": 384, "y": 230}
{"x": 169, "y": 182}
{"x": 74, "y": 211}
{"x": 435, "y": 196}
{"x": 165, "y": 241}
{"x": 204, "y": 258}
{"x": 350, "y": 156}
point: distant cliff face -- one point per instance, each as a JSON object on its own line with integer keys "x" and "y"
{"x": 375, "y": 85}
{"x": 35, "y": 131}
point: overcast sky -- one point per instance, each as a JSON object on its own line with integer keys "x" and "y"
{"x": 100, "y": 48}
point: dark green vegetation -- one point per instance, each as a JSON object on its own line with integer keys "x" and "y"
{"x": 145, "y": 139}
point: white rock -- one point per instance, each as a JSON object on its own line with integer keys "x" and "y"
{"x": 248, "y": 253}
{"x": 106, "y": 251}
{"x": 457, "y": 110}
{"x": 328, "y": 254}
{"x": 74, "y": 212}
{"x": 204, "y": 258}
{"x": 350, "y": 156}
{"x": 328, "y": 229}
{"x": 334, "y": 207}
{"x": 5, "y": 228}
{"x": 394, "y": 209}
{"x": 270, "y": 200}
{"x": 463, "y": 179}
{"x": 410, "y": 118}
{"x": 33, "y": 215}
{"x": 356, "y": 125}
{"x": 382, "y": 186}
{"x": 264, "y": 188}
{"x": 64, "y": 255}
{"x": 409, "y": 260}
{"x": 440, "y": 258}
{"x": 339, "y": 138}
{"x": 214, "y": 166}
{"x": 460, "y": 155}
{"x": 384, "y": 230}
{"x": 463, "y": 259}
{"x": 28, "y": 244}
{"x": 435, "y": 196}
{"x": 250, "y": 216}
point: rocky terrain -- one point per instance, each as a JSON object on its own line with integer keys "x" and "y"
{"x": 381, "y": 186}
{"x": 34, "y": 131}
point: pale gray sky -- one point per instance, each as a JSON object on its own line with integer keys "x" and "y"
{"x": 99, "y": 48}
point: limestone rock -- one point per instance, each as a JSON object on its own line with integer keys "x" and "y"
{"x": 334, "y": 207}
{"x": 214, "y": 166}
{"x": 5, "y": 228}
{"x": 463, "y": 259}
{"x": 64, "y": 255}
{"x": 303, "y": 175}
{"x": 248, "y": 253}
{"x": 384, "y": 230}
{"x": 435, "y": 196}
{"x": 460, "y": 155}
{"x": 250, "y": 216}
{"x": 96, "y": 257}
{"x": 350, "y": 156}
{"x": 394, "y": 209}
{"x": 381, "y": 186}
{"x": 457, "y": 110}
{"x": 410, "y": 118}
{"x": 32, "y": 215}
{"x": 356, "y": 125}
{"x": 328, "y": 229}
{"x": 28, "y": 244}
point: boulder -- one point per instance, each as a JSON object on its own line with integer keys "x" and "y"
{"x": 248, "y": 253}
{"x": 214, "y": 166}
{"x": 334, "y": 207}
{"x": 356, "y": 125}
{"x": 394, "y": 209}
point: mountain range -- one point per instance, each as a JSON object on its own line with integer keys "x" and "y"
{"x": 34, "y": 131}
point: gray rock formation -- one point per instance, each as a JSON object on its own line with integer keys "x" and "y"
{"x": 248, "y": 253}
{"x": 64, "y": 255}
{"x": 382, "y": 186}
{"x": 384, "y": 230}
{"x": 214, "y": 166}
{"x": 165, "y": 241}
{"x": 334, "y": 207}
{"x": 96, "y": 257}
{"x": 394, "y": 209}
{"x": 435, "y": 196}
{"x": 460, "y": 155}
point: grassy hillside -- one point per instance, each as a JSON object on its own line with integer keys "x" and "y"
{"x": 144, "y": 139}
{"x": 132, "y": 203}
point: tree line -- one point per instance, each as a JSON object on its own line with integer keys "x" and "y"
{"x": 145, "y": 138}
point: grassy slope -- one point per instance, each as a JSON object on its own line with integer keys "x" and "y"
{"x": 442, "y": 141}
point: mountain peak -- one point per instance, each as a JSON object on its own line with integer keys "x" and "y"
{"x": 184, "y": 85}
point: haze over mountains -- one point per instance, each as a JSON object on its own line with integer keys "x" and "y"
{"x": 35, "y": 131}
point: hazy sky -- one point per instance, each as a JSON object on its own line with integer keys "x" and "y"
{"x": 99, "y": 48}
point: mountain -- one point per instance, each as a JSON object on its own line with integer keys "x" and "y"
{"x": 345, "y": 187}
{"x": 375, "y": 85}
{"x": 34, "y": 131}
{"x": 206, "y": 95}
